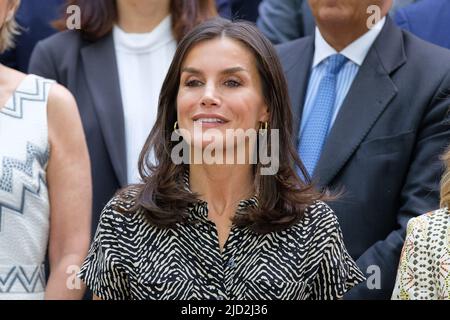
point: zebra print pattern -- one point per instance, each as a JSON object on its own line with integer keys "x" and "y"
{"x": 131, "y": 259}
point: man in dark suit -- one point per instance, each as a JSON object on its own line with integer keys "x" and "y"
{"x": 35, "y": 18}
{"x": 287, "y": 20}
{"x": 370, "y": 111}
{"x": 429, "y": 20}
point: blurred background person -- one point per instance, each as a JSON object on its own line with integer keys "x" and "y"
{"x": 239, "y": 9}
{"x": 427, "y": 19}
{"x": 398, "y": 4}
{"x": 224, "y": 8}
{"x": 287, "y": 20}
{"x": 35, "y": 19}
{"x": 370, "y": 114}
{"x": 114, "y": 66}
{"x": 424, "y": 269}
{"x": 45, "y": 182}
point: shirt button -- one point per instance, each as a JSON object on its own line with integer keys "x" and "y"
{"x": 231, "y": 263}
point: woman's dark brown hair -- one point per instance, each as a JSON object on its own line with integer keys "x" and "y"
{"x": 98, "y": 16}
{"x": 282, "y": 198}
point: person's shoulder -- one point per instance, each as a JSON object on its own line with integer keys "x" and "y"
{"x": 275, "y": 8}
{"x": 120, "y": 213}
{"x": 293, "y": 46}
{"x": 62, "y": 38}
{"x": 318, "y": 216}
{"x": 59, "y": 97}
{"x": 319, "y": 225}
{"x": 425, "y": 54}
{"x": 430, "y": 231}
{"x": 318, "y": 209}
{"x": 292, "y": 51}
{"x": 422, "y": 56}
{"x": 61, "y": 105}
{"x": 430, "y": 219}
{"x": 124, "y": 201}
{"x": 60, "y": 45}
{"x": 121, "y": 222}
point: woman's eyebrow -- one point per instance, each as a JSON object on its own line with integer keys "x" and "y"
{"x": 225, "y": 71}
{"x": 233, "y": 70}
{"x": 191, "y": 70}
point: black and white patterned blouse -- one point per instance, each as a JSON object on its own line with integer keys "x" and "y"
{"x": 131, "y": 259}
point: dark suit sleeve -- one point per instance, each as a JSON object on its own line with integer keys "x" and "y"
{"x": 420, "y": 193}
{"x": 41, "y": 62}
{"x": 281, "y": 21}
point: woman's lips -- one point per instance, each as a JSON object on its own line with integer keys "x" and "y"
{"x": 210, "y": 122}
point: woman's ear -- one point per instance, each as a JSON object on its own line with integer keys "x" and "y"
{"x": 264, "y": 115}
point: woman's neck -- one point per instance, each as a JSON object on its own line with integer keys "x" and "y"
{"x": 222, "y": 186}
{"x": 141, "y": 16}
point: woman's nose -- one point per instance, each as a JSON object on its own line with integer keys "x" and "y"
{"x": 210, "y": 97}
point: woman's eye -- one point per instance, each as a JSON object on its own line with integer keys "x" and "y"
{"x": 232, "y": 83}
{"x": 193, "y": 83}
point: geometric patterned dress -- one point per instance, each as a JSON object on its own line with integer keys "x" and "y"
{"x": 131, "y": 259}
{"x": 424, "y": 270}
{"x": 24, "y": 203}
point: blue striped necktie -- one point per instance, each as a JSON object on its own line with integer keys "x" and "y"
{"x": 315, "y": 131}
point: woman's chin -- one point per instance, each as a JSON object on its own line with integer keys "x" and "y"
{"x": 214, "y": 143}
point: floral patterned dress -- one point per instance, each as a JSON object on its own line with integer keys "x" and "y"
{"x": 424, "y": 270}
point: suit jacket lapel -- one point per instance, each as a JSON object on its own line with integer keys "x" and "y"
{"x": 102, "y": 78}
{"x": 297, "y": 72}
{"x": 371, "y": 92}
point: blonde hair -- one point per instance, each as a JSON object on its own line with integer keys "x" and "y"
{"x": 445, "y": 182}
{"x": 9, "y": 30}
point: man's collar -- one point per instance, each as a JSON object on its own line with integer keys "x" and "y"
{"x": 355, "y": 51}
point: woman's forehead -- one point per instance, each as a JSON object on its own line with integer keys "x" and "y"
{"x": 218, "y": 53}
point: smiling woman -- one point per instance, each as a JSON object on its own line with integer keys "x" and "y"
{"x": 220, "y": 231}
{"x": 223, "y": 93}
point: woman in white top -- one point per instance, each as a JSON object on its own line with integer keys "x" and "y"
{"x": 115, "y": 65}
{"x": 424, "y": 270}
{"x": 45, "y": 185}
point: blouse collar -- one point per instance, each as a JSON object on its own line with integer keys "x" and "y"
{"x": 144, "y": 42}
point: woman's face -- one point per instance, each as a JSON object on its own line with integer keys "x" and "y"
{"x": 220, "y": 89}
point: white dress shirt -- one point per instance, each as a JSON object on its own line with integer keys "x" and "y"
{"x": 143, "y": 60}
{"x": 355, "y": 52}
